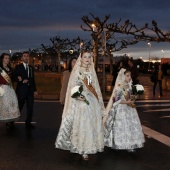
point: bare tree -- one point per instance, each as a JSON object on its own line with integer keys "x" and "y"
{"x": 59, "y": 44}
{"x": 95, "y": 26}
{"x": 121, "y": 34}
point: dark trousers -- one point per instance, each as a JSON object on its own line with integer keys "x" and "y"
{"x": 28, "y": 97}
{"x": 160, "y": 86}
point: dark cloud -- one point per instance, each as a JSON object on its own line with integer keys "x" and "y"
{"x": 28, "y": 23}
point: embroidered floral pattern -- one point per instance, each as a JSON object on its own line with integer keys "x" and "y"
{"x": 9, "y": 110}
{"x": 123, "y": 127}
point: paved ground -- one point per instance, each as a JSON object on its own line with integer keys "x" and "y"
{"x": 22, "y": 149}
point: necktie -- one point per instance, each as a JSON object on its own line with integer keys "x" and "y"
{"x": 27, "y": 69}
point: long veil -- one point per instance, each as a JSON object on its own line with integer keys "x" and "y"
{"x": 119, "y": 80}
{"x": 69, "y": 101}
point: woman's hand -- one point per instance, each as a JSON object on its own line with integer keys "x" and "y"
{"x": 130, "y": 103}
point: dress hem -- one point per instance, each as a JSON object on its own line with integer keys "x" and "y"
{"x": 136, "y": 146}
{"x": 10, "y": 120}
{"x": 82, "y": 152}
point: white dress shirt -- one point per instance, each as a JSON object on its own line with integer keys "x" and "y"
{"x": 25, "y": 67}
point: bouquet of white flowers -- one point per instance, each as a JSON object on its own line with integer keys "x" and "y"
{"x": 77, "y": 92}
{"x": 1, "y": 91}
{"x": 137, "y": 89}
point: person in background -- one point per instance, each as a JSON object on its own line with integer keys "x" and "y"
{"x": 26, "y": 87}
{"x": 157, "y": 78}
{"x": 134, "y": 71}
{"x": 9, "y": 111}
{"x": 65, "y": 79}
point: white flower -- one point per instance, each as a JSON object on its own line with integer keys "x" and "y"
{"x": 81, "y": 76}
{"x": 1, "y": 91}
{"x": 139, "y": 87}
{"x": 75, "y": 89}
{"x": 3, "y": 73}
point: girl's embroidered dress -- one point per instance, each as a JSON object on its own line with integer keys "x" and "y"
{"x": 123, "y": 127}
{"x": 9, "y": 110}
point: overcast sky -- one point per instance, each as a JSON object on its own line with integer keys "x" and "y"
{"x": 28, "y": 23}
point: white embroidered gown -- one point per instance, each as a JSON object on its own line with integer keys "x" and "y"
{"x": 81, "y": 130}
{"x": 9, "y": 110}
{"x": 123, "y": 127}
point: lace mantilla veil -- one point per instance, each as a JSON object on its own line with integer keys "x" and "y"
{"x": 72, "y": 82}
{"x": 119, "y": 80}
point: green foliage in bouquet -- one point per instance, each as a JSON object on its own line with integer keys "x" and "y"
{"x": 77, "y": 92}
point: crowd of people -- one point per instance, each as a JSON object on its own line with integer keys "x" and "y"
{"x": 11, "y": 102}
{"x": 87, "y": 126}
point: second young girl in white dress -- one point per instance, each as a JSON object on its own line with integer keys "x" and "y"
{"x": 123, "y": 127}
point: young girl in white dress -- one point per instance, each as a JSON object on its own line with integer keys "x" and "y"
{"x": 81, "y": 129}
{"x": 123, "y": 127}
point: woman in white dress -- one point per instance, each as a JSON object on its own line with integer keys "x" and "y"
{"x": 9, "y": 111}
{"x": 123, "y": 127}
{"x": 81, "y": 129}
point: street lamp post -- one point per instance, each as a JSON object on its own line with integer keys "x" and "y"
{"x": 149, "y": 55}
{"x": 81, "y": 45}
{"x": 95, "y": 44}
{"x": 10, "y": 51}
{"x": 93, "y": 41}
{"x": 162, "y": 53}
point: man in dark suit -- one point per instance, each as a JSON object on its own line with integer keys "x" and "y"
{"x": 134, "y": 71}
{"x": 26, "y": 87}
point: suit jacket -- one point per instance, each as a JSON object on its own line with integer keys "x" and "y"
{"x": 21, "y": 71}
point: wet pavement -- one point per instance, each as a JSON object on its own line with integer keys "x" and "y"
{"x": 23, "y": 149}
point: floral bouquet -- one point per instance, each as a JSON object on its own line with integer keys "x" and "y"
{"x": 137, "y": 89}
{"x": 1, "y": 91}
{"x": 77, "y": 92}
